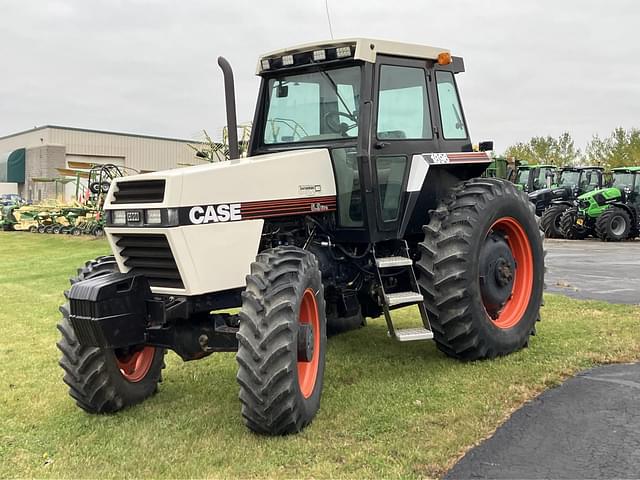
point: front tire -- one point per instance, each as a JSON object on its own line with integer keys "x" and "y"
{"x": 103, "y": 380}
{"x": 550, "y": 221}
{"x": 568, "y": 226}
{"x": 282, "y": 342}
{"x": 613, "y": 225}
{"x": 481, "y": 270}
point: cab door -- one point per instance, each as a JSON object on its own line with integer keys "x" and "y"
{"x": 402, "y": 127}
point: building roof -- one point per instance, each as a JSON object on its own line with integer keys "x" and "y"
{"x": 365, "y": 49}
{"x": 107, "y": 132}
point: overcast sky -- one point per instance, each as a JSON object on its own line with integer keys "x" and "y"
{"x": 142, "y": 66}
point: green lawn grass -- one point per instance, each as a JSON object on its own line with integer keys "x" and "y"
{"x": 388, "y": 409}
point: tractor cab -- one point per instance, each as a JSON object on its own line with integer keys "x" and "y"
{"x": 385, "y": 111}
{"x": 534, "y": 177}
{"x": 627, "y": 180}
{"x": 580, "y": 180}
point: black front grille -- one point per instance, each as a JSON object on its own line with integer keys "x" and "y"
{"x": 139, "y": 191}
{"x": 150, "y": 255}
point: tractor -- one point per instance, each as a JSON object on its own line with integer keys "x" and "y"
{"x": 360, "y": 194}
{"x": 530, "y": 178}
{"x": 610, "y": 214}
{"x": 552, "y": 202}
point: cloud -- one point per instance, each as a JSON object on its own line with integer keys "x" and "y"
{"x": 533, "y": 68}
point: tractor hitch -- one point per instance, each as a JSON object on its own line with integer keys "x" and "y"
{"x": 119, "y": 310}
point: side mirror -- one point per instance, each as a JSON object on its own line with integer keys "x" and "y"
{"x": 485, "y": 146}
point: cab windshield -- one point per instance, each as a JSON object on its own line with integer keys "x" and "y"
{"x": 622, "y": 180}
{"x": 312, "y": 106}
{"x": 569, "y": 178}
{"x": 523, "y": 177}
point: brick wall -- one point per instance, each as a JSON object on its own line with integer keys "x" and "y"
{"x": 41, "y": 162}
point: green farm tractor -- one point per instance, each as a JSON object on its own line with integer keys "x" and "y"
{"x": 551, "y": 203}
{"x": 611, "y": 214}
{"x": 498, "y": 168}
{"x": 533, "y": 177}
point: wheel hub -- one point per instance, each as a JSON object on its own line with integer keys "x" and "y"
{"x": 618, "y": 225}
{"x": 503, "y": 272}
{"x": 497, "y": 273}
{"x": 305, "y": 342}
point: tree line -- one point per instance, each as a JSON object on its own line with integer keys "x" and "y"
{"x": 620, "y": 149}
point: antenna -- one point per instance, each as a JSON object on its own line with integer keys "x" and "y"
{"x": 326, "y": 7}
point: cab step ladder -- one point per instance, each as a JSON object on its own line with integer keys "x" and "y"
{"x": 401, "y": 264}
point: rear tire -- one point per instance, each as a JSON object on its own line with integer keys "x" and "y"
{"x": 550, "y": 221}
{"x": 485, "y": 228}
{"x": 568, "y": 227}
{"x": 103, "y": 380}
{"x": 613, "y": 225}
{"x": 280, "y": 390}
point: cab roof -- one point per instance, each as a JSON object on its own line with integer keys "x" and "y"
{"x": 536, "y": 165}
{"x": 362, "y": 49}
{"x": 626, "y": 169}
{"x": 584, "y": 167}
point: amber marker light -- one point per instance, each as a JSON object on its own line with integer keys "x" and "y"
{"x": 444, "y": 58}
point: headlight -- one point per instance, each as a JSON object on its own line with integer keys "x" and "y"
{"x": 319, "y": 55}
{"x": 154, "y": 217}
{"x": 118, "y": 217}
{"x": 342, "y": 52}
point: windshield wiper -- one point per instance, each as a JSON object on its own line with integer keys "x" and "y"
{"x": 335, "y": 89}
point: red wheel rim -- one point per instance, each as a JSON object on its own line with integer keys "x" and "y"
{"x": 308, "y": 371}
{"x": 515, "y": 307}
{"x": 135, "y": 366}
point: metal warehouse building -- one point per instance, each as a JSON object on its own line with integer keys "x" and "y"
{"x": 31, "y": 161}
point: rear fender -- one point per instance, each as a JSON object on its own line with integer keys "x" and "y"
{"x": 567, "y": 203}
{"x": 631, "y": 211}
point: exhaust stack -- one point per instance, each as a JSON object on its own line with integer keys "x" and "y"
{"x": 230, "y": 100}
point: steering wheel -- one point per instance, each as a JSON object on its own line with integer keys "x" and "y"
{"x": 296, "y": 129}
{"x": 332, "y": 119}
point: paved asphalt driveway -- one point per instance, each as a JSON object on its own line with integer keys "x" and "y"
{"x": 589, "y": 427}
{"x": 591, "y": 269}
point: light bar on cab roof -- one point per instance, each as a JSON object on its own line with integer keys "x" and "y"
{"x": 337, "y": 53}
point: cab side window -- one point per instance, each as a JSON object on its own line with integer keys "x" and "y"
{"x": 403, "y": 106}
{"x": 592, "y": 181}
{"x": 450, "y": 111}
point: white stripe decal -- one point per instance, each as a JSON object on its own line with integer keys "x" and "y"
{"x": 417, "y": 174}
